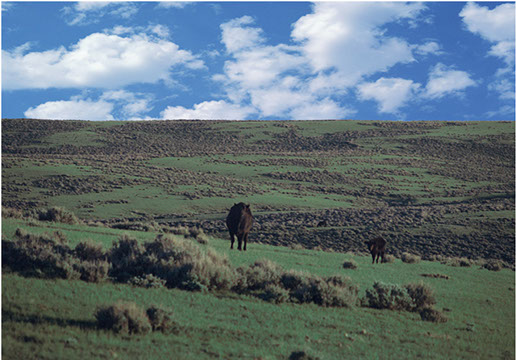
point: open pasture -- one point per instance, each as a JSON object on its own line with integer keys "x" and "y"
{"x": 443, "y": 191}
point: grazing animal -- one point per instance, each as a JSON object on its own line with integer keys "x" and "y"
{"x": 377, "y": 248}
{"x": 239, "y": 222}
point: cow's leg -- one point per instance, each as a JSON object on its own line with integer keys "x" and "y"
{"x": 383, "y": 254}
{"x": 245, "y": 241}
{"x": 239, "y": 242}
{"x": 373, "y": 255}
{"x": 232, "y": 239}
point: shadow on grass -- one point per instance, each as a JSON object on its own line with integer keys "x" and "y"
{"x": 37, "y": 319}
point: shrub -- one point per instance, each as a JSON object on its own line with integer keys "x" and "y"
{"x": 456, "y": 261}
{"x": 11, "y": 213}
{"x": 388, "y": 296}
{"x": 300, "y": 355}
{"x": 388, "y": 258}
{"x": 41, "y": 255}
{"x": 58, "y": 214}
{"x": 92, "y": 271}
{"x": 410, "y": 258}
{"x": 411, "y": 297}
{"x": 262, "y": 274}
{"x": 275, "y": 293}
{"x": 436, "y": 276}
{"x": 126, "y": 259}
{"x": 271, "y": 282}
{"x": 422, "y": 295}
{"x": 429, "y": 314}
{"x": 182, "y": 264}
{"x": 90, "y": 251}
{"x": 147, "y": 281}
{"x": 350, "y": 264}
{"x": 493, "y": 265}
{"x": 123, "y": 318}
{"x": 160, "y": 319}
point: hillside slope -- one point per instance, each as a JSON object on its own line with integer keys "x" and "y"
{"x": 430, "y": 188}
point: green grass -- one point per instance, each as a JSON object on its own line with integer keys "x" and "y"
{"x": 53, "y": 319}
{"x": 75, "y": 138}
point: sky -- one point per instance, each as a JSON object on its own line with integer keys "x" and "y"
{"x": 258, "y": 60}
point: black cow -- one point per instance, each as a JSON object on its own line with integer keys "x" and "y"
{"x": 377, "y": 248}
{"x": 239, "y": 222}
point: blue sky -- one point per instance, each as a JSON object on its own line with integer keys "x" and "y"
{"x": 258, "y": 60}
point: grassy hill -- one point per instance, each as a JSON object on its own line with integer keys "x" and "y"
{"x": 443, "y": 191}
{"x": 54, "y": 318}
{"x": 428, "y": 187}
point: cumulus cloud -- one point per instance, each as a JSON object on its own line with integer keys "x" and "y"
{"x": 348, "y": 39}
{"x": 87, "y": 12}
{"x": 269, "y": 78}
{"x": 208, "y": 110}
{"x": 100, "y": 60}
{"x": 74, "y": 109}
{"x": 445, "y": 80}
{"x": 92, "y": 105}
{"x": 390, "y": 93}
{"x": 497, "y": 27}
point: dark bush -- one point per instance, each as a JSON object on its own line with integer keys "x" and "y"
{"x": 350, "y": 264}
{"x": 160, "y": 319}
{"x": 58, "y": 214}
{"x": 429, "y": 314}
{"x": 92, "y": 271}
{"x": 126, "y": 257}
{"x": 275, "y": 293}
{"x": 300, "y": 355}
{"x": 147, "y": 281}
{"x": 493, "y": 265}
{"x": 90, "y": 251}
{"x": 123, "y": 318}
{"x": 40, "y": 255}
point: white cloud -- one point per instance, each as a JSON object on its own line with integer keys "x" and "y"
{"x": 109, "y": 105}
{"x": 348, "y": 38}
{"x": 270, "y": 78}
{"x": 208, "y": 110}
{"x": 390, "y": 93}
{"x": 99, "y": 60}
{"x": 445, "y": 80}
{"x": 75, "y": 109}
{"x": 428, "y": 48}
{"x": 504, "y": 87}
{"x": 174, "y": 4}
{"x": 236, "y": 36}
{"x": 325, "y": 109}
{"x": 495, "y": 26}
{"x": 87, "y": 12}
{"x": 132, "y": 105}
